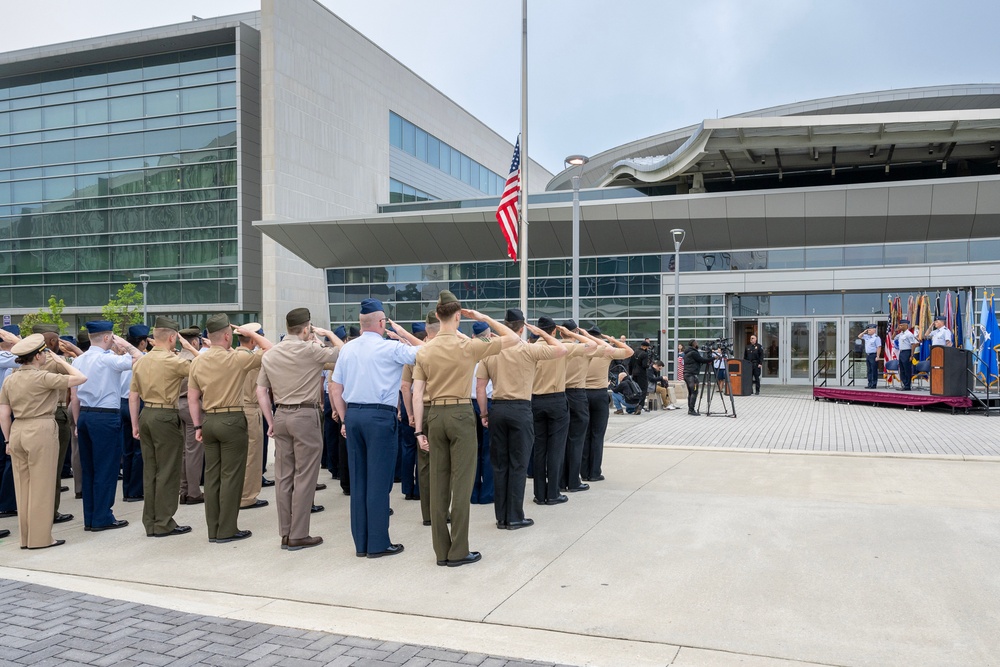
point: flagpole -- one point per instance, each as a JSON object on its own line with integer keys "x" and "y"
{"x": 522, "y": 237}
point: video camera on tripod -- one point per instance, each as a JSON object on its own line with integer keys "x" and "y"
{"x": 724, "y": 345}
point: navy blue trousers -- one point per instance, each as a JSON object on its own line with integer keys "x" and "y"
{"x": 100, "y": 440}
{"x": 8, "y": 502}
{"x": 371, "y": 454}
{"x": 482, "y": 487}
{"x": 905, "y": 368}
{"x": 331, "y": 457}
{"x": 872, "y": 363}
{"x": 408, "y": 443}
{"x": 131, "y": 457}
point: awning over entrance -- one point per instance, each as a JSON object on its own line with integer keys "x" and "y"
{"x": 917, "y": 211}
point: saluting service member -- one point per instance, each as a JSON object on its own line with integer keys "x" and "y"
{"x": 193, "y": 455}
{"x": 365, "y": 389}
{"x": 292, "y": 372}
{"x": 873, "y": 350}
{"x": 597, "y": 401}
{"x": 156, "y": 381}
{"x": 252, "y": 479}
{"x": 940, "y": 335}
{"x": 905, "y": 340}
{"x": 52, "y": 364}
{"x": 509, "y": 420}
{"x": 9, "y": 336}
{"x": 482, "y": 484}
{"x": 27, "y": 416}
{"x": 97, "y": 410}
{"x": 579, "y": 412}
{"x": 441, "y": 377}
{"x": 216, "y": 380}
{"x": 409, "y": 483}
{"x": 132, "y": 477}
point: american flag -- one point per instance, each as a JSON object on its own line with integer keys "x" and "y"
{"x": 507, "y": 216}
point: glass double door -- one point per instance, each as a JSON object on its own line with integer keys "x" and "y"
{"x": 797, "y": 348}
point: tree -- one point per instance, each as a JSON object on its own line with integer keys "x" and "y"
{"x": 125, "y": 309}
{"x": 52, "y": 316}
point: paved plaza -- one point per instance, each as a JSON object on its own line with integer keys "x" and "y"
{"x": 800, "y": 533}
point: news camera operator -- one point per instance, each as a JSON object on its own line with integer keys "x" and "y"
{"x": 693, "y": 359}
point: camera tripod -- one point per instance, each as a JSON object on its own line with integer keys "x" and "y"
{"x": 709, "y": 387}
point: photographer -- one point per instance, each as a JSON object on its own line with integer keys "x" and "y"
{"x": 693, "y": 359}
{"x": 638, "y": 364}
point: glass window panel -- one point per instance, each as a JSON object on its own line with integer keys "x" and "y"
{"x": 456, "y": 164}
{"x": 395, "y": 130}
{"x": 196, "y": 60}
{"x": 904, "y": 253}
{"x": 25, "y": 156}
{"x": 863, "y": 256}
{"x": 445, "y": 158}
{"x": 124, "y": 108}
{"x": 161, "y": 141}
{"x": 466, "y": 164}
{"x": 27, "y": 191}
{"x": 4, "y": 123}
{"x": 199, "y": 136}
{"x": 433, "y": 151}
{"x": 58, "y": 151}
{"x": 823, "y": 257}
{"x": 26, "y": 120}
{"x": 163, "y": 64}
{"x": 984, "y": 250}
{"x": 227, "y": 291}
{"x": 5, "y": 193}
{"x": 859, "y": 303}
{"x": 786, "y": 259}
{"x": 199, "y": 99}
{"x": 421, "y": 145}
{"x": 409, "y": 137}
{"x": 159, "y": 104}
{"x": 60, "y": 116}
{"x": 59, "y": 188}
{"x": 942, "y": 253}
{"x": 227, "y": 95}
{"x": 484, "y": 179}
{"x": 786, "y": 304}
{"x": 824, "y": 304}
{"x": 120, "y": 145}
{"x": 159, "y": 218}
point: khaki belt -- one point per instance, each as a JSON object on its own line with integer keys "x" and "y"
{"x": 160, "y": 406}
{"x": 215, "y": 411}
{"x": 450, "y": 401}
{"x": 296, "y": 406}
{"x": 61, "y": 405}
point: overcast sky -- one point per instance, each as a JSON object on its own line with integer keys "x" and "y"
{"x": 604, "y": 73}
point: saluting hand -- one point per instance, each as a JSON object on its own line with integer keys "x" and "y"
{"x": 472, "y": 314}
{"x": 533, "y": 329}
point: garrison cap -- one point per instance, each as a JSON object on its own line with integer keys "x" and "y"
{"x": 166, "y": 323}
{"x": 340, "y": 332}
{"x": 83, "y": 335}
{"x": 44, "y": 328}
{"x": 479, "y": 327}
{"x": 217, "y": 323}
{"x": 872, "y": 326}
{"x": 253, "y": 326}
{"x": 190, "y": 332}
{"x": 432, "y": 318}
{"x": 571, "y": 324}
{"x": 904, "y": 321}
{"x": 138, "y": 331}
{"x": 940, "y": 318}
{"x": 546, "y": 324}
{"x": 32, "y": 343}
{"x": 514, "y": 315}
{"x": 68, "y": 339}
{"x": 417, "y": 327}
{"x": 99, "y": 326}
{"x": 369, "y": 306}
{"x": 354, "y": 331}
{"x": 446, "y": 296}
{"x": 594, "y": 331}
{"x": 13, "y": 328}
{"x": 297, "y": 317}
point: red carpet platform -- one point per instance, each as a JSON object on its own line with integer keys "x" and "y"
{"x": 909, "y": 399}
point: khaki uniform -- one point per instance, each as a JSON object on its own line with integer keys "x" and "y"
{"x": 255, "y": 438}
{"x": 579, "y": 418}
{"x": 219, "y": 375}
{"x": 64, "y": 424}
{"x": 597, "y": 402}
{"x": 550, "y": 411}
{"x": 446, "y": 364}
{"x": 193, "y": 456}
{"x": 32, "y": 395}
{"x": 512, "y": 429}
{"x": 291, "y": 370}
{"x": 423, "y": 462}
{"x": 157, "y": 378}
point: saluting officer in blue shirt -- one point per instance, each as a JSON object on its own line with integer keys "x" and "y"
{"x": 873, "y": 350}
{"x": 365, "y": 389}
{"x": 96, "y": 409}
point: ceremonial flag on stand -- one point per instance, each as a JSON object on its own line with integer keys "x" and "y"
{"x": 970, "y": 335}
{"x": 959, "y": 330}
{"x": 507, "y": 216}
{"x": 991, "y": 340}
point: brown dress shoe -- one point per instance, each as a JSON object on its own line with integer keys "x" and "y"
{"x": 304, "y": 543}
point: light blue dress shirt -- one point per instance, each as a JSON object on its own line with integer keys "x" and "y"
{"x": 906, "y": 341}
{"x": 7, "y": 365}
{"x": 103, "y": 369}
{"x": 872, "y": 342}
{"x": 370, "y": 368}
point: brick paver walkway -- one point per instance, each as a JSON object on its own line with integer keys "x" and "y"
{"x": 45, "y": 626}
{"x": 787, "y": 418}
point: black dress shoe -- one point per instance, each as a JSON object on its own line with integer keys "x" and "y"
{"x": 391, "y": 512}
{"x": 54, "y": 544}
{"x": 411, "y": 496}
{"x": 523, "y": 523}
{"x": 582, "y": 487}
{"x": 4, "y": 533}
{"x": 361, "y": 554}
{"x": 63, "y": 489}
{"x": 132, "y": 499}
{"x": 441, "y": 563}
{"x": 427, "y": 523}
{"x": 391, "y": 551}
{"x": 320, "y": 487}
{"x": 4, "y": 515}
{"x": 117, "y": 523}
{"x": 598, "y": 478}
{"x": 537, "y": 501}
{"x": 473, "y": 557}
{"x": 178, "y": 530}
{"x": 195, "y": 501}
{"x": 256, "y": 504}
{"x": 264, "y": 481}
{"x": 316, "y": 508}
{"x": 501, "y": 525}
{"x": 78, "y": 496}
{"x": 238, "y": 535}
{"x": 62, "y": 518}
{"x": 558, "y": 500}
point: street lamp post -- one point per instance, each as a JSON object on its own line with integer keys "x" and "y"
{"x": 678, "y": 235}
{"x": 576, "y": 161}
{"x": 144, "y": 277}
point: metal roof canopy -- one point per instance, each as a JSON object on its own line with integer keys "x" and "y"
{"x": 745, "y": 145}
{"x": 913, "y": 211}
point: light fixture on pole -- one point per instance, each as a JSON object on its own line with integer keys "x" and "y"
{"x": 678, "y": 235}
{"x": 144, "y": 277}
{"x": 576, "y": 161}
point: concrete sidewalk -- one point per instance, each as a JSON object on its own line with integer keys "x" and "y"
{"x": 691, "y": 557}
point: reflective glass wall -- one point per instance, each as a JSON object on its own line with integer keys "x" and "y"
{"x": 117, "y": 169}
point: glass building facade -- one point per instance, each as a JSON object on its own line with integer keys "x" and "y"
{"x": 111, "y": 170}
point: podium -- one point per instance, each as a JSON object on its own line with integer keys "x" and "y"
{"x": 950, "y": 374}
{"x": 740, "y": 376}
